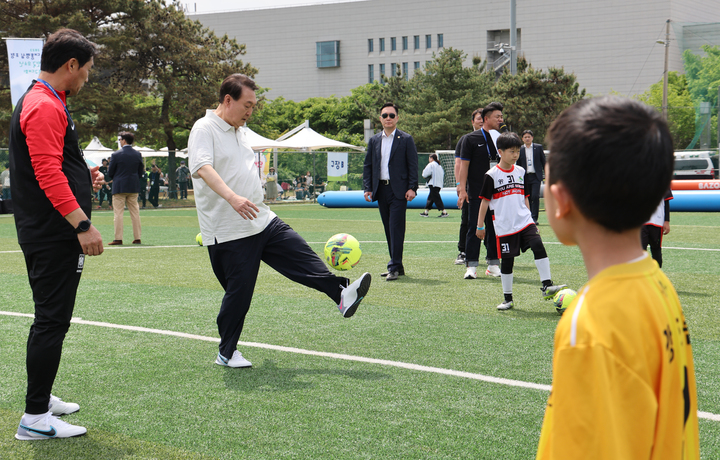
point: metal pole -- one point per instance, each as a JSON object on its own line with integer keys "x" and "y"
{"x": 665, "y": 74}
{"x": 513, "y": 39}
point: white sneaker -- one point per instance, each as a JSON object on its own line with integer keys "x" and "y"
{"x": 352, "y": 295}
{"x": 237, "y": 360}
{"x": 59, "y": 407}
{"x": 493, "y": 270}
{"x": 471, "y": 273}
{"x": 48, "y": 427}
{"x": 505, "y": 305}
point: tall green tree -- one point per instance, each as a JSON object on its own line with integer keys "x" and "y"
{"x": 160, "y": 52}
{"x": 703, "y": 78}
{"x": 681, "y": 113}
{"x": 534, "y": 98}
{"x": 441, "y": 98}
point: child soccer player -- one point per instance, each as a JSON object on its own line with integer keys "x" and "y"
{"x": 654, "y": 229}
{"x": 623, "y": 375}
{"x": 504, "y": 191}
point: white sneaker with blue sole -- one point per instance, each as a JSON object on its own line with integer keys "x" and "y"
{"x": 237, "y": 360}
{"x": 48, "y": 427}
{"x": 352, "y": 295}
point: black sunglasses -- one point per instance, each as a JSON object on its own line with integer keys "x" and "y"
{"x": 385, "y": 115}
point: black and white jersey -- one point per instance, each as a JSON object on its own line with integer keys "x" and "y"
{"x": 658, "y": 217}
{"x": 506, "y": 192}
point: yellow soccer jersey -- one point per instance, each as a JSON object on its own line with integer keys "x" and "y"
{"x": 623, "y": 374}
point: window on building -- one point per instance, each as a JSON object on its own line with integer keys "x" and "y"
{"x": 371, "y": 45}
{"x": 393, "y": 43}
{"x": 371, "y": 73}
{"x": 393, "y": 69}
{"x": 405, "y": 43}
{"x": 405, "y": 70}
{"x": 382, "y": 74}
{"x": 416, "y": 65}
{"x": 428, "y": 41}
{"x": 328, "y": 54}
{"x": 382, "y": 45}
{"x": 416, "y": 39}
{"x": 440, "y": 40}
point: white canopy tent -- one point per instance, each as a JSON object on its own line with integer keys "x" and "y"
{"x": 258, "y": 142}
{"x": 95, "y": 151}
{"x": 308, "y": 138}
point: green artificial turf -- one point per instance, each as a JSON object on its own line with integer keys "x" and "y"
{"x": 145, "y": 395}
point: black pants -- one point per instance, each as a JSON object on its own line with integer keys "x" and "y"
{"x": 54, "y": 271}
{"x": 434, "y": 197}
{"x": 472, "y": 242}
{"x": 183, "y": 190}
{"x": 652, "y": 235}
{"x": 154, "y": 195}
{"x": 534, "y": 198}
{"x": 392, "y": 214}
{"x": 236, "y": 264}
{"x": 463, "y": 227}
{"x": 105, "y": 194}
{"x": 142, "y": 194}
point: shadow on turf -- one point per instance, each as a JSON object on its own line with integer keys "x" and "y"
{"x": 269, "y": 378}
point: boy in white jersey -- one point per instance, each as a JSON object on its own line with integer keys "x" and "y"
{"x": 623, "y": 377}
{"x": 654, "y": 229}
{"x": 504, "y": 191}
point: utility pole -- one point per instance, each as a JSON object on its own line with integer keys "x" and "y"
{"x": 513, "y": 39}
{"x": 665, "y": 74}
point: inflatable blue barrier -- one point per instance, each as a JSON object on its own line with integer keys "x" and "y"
{"x": 356, "y": 199}
{"x": 683, "y": 200}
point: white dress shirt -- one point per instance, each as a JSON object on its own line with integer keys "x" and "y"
{"x": 385, "y": 149}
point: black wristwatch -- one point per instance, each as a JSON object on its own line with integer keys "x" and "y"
{"x": 83, "y": 226}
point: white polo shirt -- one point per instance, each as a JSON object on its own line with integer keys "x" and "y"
{"x": 216, "y": 143}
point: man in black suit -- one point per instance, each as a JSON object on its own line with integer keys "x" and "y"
{"x": 534, "y": 170}
{"x": 390, "y": 177}
{"x": 126, "y": 169}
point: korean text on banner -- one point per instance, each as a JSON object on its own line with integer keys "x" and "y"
{"x": 337, "y": 166}
{"x": 24, "y": 63}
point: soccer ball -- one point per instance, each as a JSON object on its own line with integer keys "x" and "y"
{"x": 342, "y": 251}
{"x": 198, "y": 239}
{"x": 562, "y": 299}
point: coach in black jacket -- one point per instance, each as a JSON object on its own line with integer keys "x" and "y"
{"x": 390, "y": 177}
{"x": 534, "y": 177}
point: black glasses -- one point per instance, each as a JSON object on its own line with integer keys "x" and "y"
{"x": 385, "y": 115}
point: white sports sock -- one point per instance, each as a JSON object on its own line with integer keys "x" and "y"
{"x": 31, "y": 419}
{"x": 507, "y": 282}
{"x": 543, "y": 266}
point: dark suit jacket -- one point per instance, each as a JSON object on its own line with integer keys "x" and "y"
{"x": 538, "y": 160}
{"x": 126, "y": 169}
{"x": 403, "y": 165}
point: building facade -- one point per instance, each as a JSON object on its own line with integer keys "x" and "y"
{"x": 328, "y": 49}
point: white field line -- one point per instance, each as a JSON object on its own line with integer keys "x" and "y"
{"x": 361, "y": 359}
{"x": 116, "y": 248}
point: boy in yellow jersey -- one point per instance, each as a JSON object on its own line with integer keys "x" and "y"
{"x": 623, "y": 375}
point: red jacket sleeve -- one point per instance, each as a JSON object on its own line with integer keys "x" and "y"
{"x": 44, "y": 122}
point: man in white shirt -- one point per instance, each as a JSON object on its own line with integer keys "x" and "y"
{"x": 239, "y": 229}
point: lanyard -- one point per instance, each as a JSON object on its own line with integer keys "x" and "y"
{"x": 72, "y": 124}
{"x": 486, "y": 145}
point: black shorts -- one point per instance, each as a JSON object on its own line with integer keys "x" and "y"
{"x": 511, "y": 245}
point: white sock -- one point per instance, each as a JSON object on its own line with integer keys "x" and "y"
{"x": 507, "y": 282}
{"x": 31, "y": 419}
{"x": 543, "y": 266}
